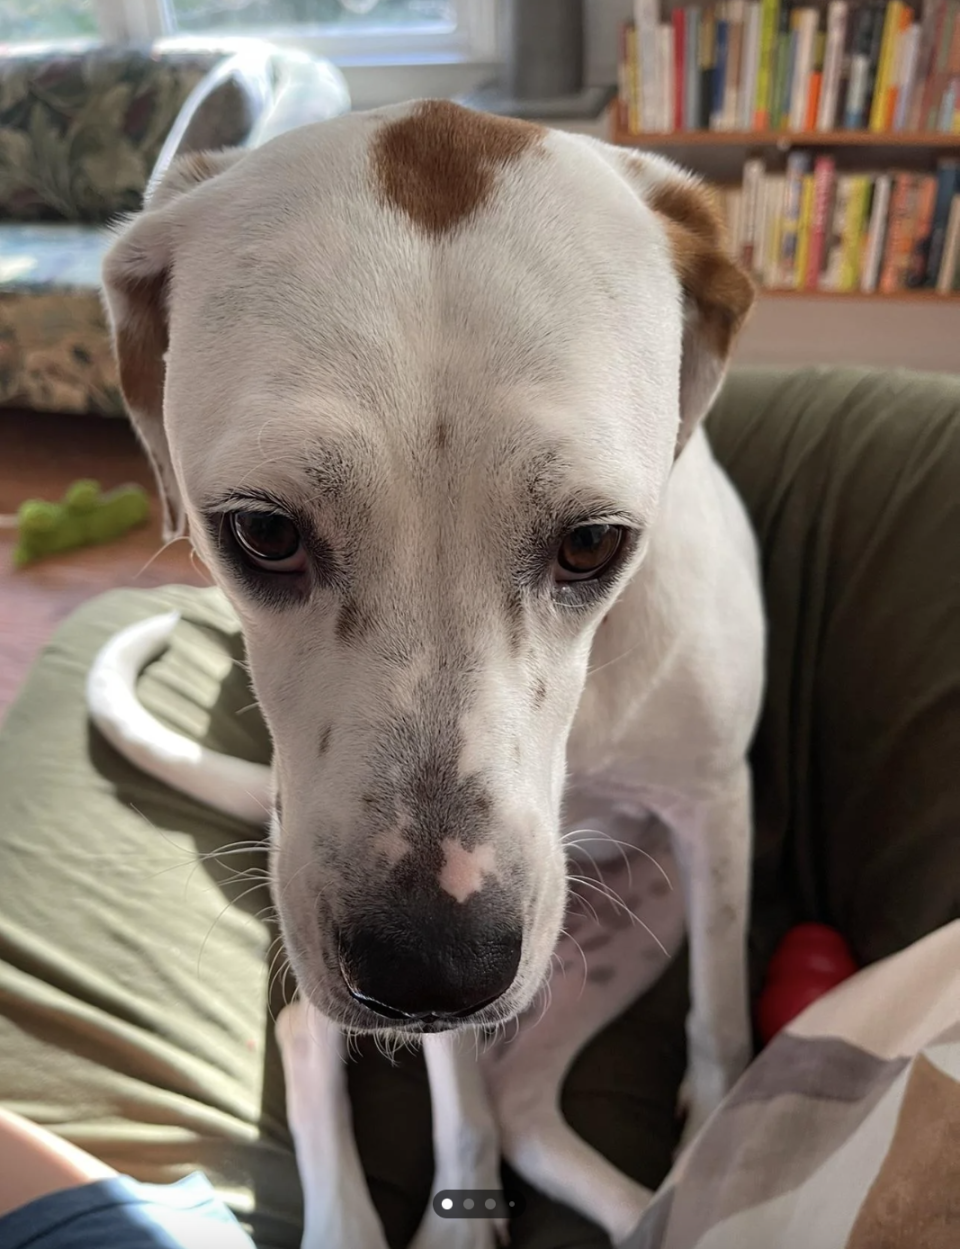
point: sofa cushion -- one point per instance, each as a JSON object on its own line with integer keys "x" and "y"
{"x": 80, "y": 133}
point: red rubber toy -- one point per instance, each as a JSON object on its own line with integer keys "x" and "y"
{"x": 811, "y": 960}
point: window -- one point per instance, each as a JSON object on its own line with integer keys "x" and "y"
{"x": 398, "y": 30}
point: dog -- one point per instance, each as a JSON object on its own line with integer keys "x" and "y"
{"x": 425, "y": 387}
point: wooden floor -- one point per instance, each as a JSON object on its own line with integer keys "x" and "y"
{"x": 40, "y": 455}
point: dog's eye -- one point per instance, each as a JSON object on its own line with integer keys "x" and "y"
{"x": 586, "y": 551}
{"x": 269, "y": 540}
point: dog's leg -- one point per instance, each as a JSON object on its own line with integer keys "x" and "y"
{"x": 338, "y": 1212}
{"x": 466, "y": 1143}
{"x": 606, "y": 958}
{"x": 712, "y": 842}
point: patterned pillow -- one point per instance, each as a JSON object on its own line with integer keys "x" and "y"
{"x": 80, "y": 133}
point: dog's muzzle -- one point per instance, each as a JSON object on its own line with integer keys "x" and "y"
{"x": 430, "y": 961}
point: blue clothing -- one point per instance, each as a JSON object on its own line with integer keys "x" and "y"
{"x": 120, "y": 1213}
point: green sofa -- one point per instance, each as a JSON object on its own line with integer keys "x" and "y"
{"x": 139, "y": 964}
{"x": 81, "y": 137}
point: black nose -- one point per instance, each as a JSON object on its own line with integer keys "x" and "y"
{"x": 430, "y": 961}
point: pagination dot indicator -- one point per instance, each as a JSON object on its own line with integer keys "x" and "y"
{"x": 477, "y": 1204}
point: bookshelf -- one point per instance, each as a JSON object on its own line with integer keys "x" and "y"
{"x": 829, "y": 128}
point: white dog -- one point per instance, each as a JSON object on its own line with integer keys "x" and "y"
{"x": 424, "y": 385}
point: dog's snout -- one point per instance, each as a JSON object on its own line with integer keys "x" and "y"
{"x": 430, "y": 961}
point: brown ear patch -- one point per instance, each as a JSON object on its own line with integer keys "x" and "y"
{"x": 721, "y": 291}
{"x": 439, "y": 165}
{"x": 141, "y": 343}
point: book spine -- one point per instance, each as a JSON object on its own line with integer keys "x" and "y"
{"x": 873, "y": 63}
{"x": 781, "y": 66}
{"x": 948, "y": 184}
{"x": 916, "y": 271}
{"x": 691, "y": 71}
{"x": 877, "y": 234}
{"x": 752, "y": 182}
{"x": 824, "y": 177}
{"x": 800, "y": 85}
{"x": 797, "y": 165}
{"x": 892, "y": 96}
{"x": 940, "y": 78}
{"x": 803, "y": 230}
{"x": 853, "y": 229}
{"x": 945, "y": 123}
{"x": 857, "y": 76}
{"x": 775, "y": 207}
{"x": 902, "y": 205}
{"x": 765, "y": 64}
{"x": 665, "y": 75}
{"x": 891, "y": 24}
{"x": 816, "y": 84}
{"x": 833, "y": 244}
{"x": 950, "y": 262}
{"x": 931, "y": 25}
{"x": 708, "y": 60}
{"x": 832, "y": 64}
{"x": 909, "y": 51}
{"x": 731, "y": 94}
{"x": 720, "y": 73}
{"x": 750, "y": 66}
{"x": 645, "y": 21}
{"x": 678, "y": 22}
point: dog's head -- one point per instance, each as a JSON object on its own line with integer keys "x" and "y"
{"x": 415, "y": 381}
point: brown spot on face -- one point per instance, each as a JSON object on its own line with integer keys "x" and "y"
{"x": 352, "y": 622}
{"x": 441, "y": 435}
{"x": 324, "y": 744}
{"x": 539, "y": 692}
{"x": 601, "y": 975}
{"x": 439, "y": 165}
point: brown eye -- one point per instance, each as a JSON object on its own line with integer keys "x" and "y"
{"x": 269, "y": 540}
{"x": 586, "y": 551}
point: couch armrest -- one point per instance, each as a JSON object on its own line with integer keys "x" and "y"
{"x": 251, "y": 96}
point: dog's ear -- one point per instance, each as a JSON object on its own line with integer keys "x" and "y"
{"x": 718, "y": 294}
{"x": 136, "y": 280}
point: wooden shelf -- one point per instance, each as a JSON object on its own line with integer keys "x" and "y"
{"x": 784, "y": 139}
{"x": 898, "y": 297}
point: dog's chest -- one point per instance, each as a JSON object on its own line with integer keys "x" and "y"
{"x": 602, "y": 814}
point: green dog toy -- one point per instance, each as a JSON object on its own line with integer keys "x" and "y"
{"x": 83, "y": 517}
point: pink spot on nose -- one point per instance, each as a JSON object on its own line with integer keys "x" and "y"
{"x": 464, "y": 871}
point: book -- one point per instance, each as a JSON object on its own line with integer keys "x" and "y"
{"x": 769, "y": 22}
{"x": 770, "y": 271}
{"x": 832, "y": 64}
{"x": 678, "y": 19}
{"x": 891, "y": 33}
{"x": 784, "y": 44}
{"x": 815, "y": 83}
{"x": 736, "y": 10}
{"x": 948, "y": 184}
{"x": 895, "y": 70}
{"x": 916, "y": 268}
{"x": 824, "y": 179}
{"x": 939, "y": 81}
{"x": 853, "y": 233}
{"x": 750, "y": 65}
{"x": 720, "y": 69}
{"x": 931, "y": 34}
{"x": 835, "y": 235}
{"x": 708, "y": 60}
{"x": 873, "y": 62}
{"x": 691, "y": 71}
{"x": 805, "y": 30}
{"x": 665, "y": 73}
{"x": 646, "y": 19}
{"x": 903, "y": 204}
{"x": 749, "y": 223}
{"x": 803, "y": 230}
{"x": 876, "y": 234}
{"x": 623, "y": 79}
{"x": 909, "y": 51}
{"x": 948, "y": 278}
{"x": 798, "y": 165}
